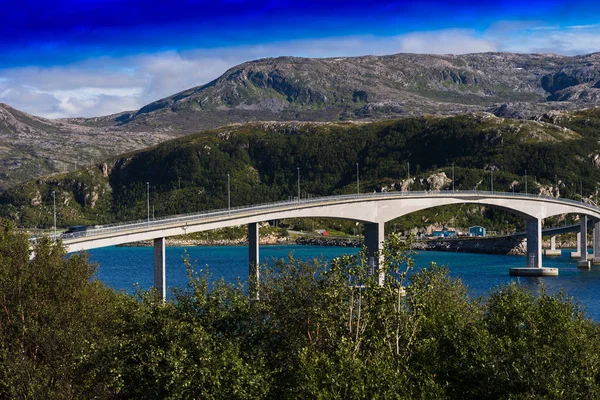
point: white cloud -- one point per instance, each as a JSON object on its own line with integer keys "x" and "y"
{"x": 104, "y": 86}
{"x": 445, "y": 42}
{"x": 538, "y": 37}
{"x": 558, "y": 41}
{"x": 591, "y": 26}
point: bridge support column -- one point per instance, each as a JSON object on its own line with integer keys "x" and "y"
{"x": 583, "y": 254}
{"x": 577, "y": 253}
{"x": 253, "y": 261}
{"x": 534, "y": 243}
{"x": 160, "y": 275}
{"x": 374, "y": 237}
{"x": 552, "y": 251}
{"x": 534, "y": 252}
{"x": 596, "y": 259}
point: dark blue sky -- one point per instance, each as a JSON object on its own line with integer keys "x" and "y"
{"x": 66, "y": 58}
{"x": 57, "y": 32}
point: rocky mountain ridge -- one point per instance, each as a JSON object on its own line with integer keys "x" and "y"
{"x": 32, "y": 146}
{"x": 372, "y": 87}
{"x": 518, "y": 86}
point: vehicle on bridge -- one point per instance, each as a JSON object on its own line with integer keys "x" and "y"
{"x": 76, "y": 229}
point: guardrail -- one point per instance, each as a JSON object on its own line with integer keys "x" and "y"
{"x": 282, "y": 205}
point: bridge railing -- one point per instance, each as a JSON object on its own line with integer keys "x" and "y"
{"x": 275, "y": 206}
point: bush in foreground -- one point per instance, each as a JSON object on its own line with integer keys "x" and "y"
{"x": 319, "y": 331}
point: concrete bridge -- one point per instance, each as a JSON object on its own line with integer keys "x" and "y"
{"x": 561, "y": 230}
{"x": 371, "y": 209}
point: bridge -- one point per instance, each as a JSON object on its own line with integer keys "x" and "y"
{"x": 374, "y": 210}
{"x": 561, "y": 230}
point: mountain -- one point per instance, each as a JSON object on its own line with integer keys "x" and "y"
{"x": 375, "y": 87}
{"x": 189, "y": 174}
{"x": 32, "y": 146}
{"x": 518, "y": 86}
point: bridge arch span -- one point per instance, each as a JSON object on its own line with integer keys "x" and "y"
{"x": 525, "y": 207}
{"x": 372, "y": 209}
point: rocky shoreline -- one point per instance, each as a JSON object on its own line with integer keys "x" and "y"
{"x": 500, "y": 245}
{"x": 505, "y": 245}
{"x": 170, "y": 242}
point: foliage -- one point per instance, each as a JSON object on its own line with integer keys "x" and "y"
{"x": 52, "y": 315}
{"x": 234, "y": 233}
{"x": 327, "y": 331}
{"x": 263, "y": 162}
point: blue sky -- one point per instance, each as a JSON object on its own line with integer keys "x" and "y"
{"x": 66, "y": 58}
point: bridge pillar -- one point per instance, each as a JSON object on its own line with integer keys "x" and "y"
{"x": 583, "y": 254}
{"x": 577, "y": 252}
{"x": 596, "y": 259}
{"x": 552, "y": 251}
{"x": 253, "y": 261}
{"x": 534, "y": 252}
{"x": 534, "y": 243}
{"x": 160, "y": 275}
{"x": 374, "y": 237}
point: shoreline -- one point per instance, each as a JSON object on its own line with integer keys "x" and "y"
{"x": 506, "y": 245}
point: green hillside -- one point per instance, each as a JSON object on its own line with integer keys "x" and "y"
{"x": 190, "y": 174}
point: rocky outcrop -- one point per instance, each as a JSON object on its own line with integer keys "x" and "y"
{"x": 438, "y": 181}
{"x": 178, "y": 242}
{"x": 549, "y": 191}
{"x": 507, "y": 245}
{"x": 322, "y": 241}
{"x": 502, "y": 245}
{"x": 37, "y": 199}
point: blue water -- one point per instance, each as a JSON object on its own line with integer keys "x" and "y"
{"x": 124, "y": 268}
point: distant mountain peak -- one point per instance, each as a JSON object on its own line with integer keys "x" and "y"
{"x": 346, "y": 88}
{"x": 365, "y": 88}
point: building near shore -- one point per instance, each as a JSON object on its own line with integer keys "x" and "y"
{"x": 444, "y": 232}
{"x": 477, "y": 231}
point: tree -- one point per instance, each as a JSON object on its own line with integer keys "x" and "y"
{"x": 52, "y": 315}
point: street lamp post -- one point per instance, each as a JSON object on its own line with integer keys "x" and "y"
{"x": 408, "y": 173}
{"x": 357, "y": 181}
{"x": 525, "y": 181}
{"x": 581, "y": 190}
{"x": 54, "y": 203}
{"x": 492, "y": 179}
{"x": 298, "y": 168}
{"x": 148, "y": 199}
{"x": 228, "y": 195}
{"x": 453, "y": 178}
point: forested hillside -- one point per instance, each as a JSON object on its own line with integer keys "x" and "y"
{"x": 263, "y": 160}
{"x": 368, "y": 88}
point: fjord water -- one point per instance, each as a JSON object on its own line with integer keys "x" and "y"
{"x": 125, "y": 268}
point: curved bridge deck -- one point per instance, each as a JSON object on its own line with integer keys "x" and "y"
{"x": 372, "y": 209}
{"x": 369, "y": 208}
